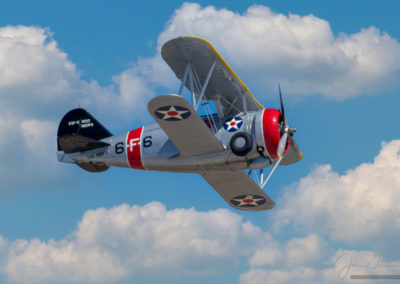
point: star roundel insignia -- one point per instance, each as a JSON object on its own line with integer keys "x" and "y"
{"x": 233, "y": 124}
{"x": 248, "y": 200}
{"x": 172, "y": 113}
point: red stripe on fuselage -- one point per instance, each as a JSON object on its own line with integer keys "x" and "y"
{"x": 133, "y": 148}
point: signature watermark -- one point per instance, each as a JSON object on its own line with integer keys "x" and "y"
{"x": 348, "y": 264}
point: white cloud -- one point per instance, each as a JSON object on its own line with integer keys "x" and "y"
{"x": 359, "y": 206}
{"x": 351, "y": 262}
{"x": 39, "y": 137}
{"x": 30, "y": 60}
{"x": 38, "y": 262}
{"x": 38, "y": 79}
{"x": 147, "y": 241}
{"x": 153, "y": 243}
{"x": 38, "y": 84}
{"x": 299, "y": 260}
{"x": 28, "y": 151}
{"x": 3, "y": 254}
{"x": 338, "y": 268}
{"x": 296, "y": 251}
{"x": 277, "y": 276}
{"x": 304, "y": 250}
{"x": 300, "y": 52}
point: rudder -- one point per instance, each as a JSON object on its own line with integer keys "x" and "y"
{"x": 79, "y": 131}
{"x": 78, "y": 122}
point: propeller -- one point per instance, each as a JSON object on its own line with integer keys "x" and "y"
{"x": 286, "y": 130}
{"x": 286, "y": 138}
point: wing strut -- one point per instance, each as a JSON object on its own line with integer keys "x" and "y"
{"x": 244, "y": 104}
{"x": 189, "y": 75}
{"x": 191, "y": 84}
{"x": 184, "y": 79}
{"x": 203, "y": 88}
{"x": 262, "y": 182}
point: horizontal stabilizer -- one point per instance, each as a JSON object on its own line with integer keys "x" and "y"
{"x": 93, "y": 167}
{"x": 76, "y": 143}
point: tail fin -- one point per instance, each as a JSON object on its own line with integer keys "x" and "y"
{"x": 78, "y": 122}
{"x": 79, "y": 131}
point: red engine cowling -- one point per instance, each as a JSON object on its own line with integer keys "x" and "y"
{"x": 267, "y": 131}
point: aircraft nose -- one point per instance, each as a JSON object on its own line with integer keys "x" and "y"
{"x": 270, "y": 126}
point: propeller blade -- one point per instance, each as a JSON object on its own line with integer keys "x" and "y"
{"x": 293, "y": 145}
{"x": 282, "y": 108}
{"x": 282, "y": 144}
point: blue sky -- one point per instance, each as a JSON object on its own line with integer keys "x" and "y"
{"x": 338, "y": 64}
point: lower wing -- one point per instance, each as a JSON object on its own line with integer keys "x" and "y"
{"x": 183, "y": 126}
{"x": 239, "y": 190}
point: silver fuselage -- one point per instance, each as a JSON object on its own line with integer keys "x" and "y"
{"x": 156, "y": 152}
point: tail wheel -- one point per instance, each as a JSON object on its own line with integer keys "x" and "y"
{"x": 241, "y": 143}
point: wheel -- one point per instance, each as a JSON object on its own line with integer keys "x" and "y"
{"x": 241, "y": 143}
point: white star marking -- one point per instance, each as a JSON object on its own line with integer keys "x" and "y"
{"x": 249, "y": 200}
{"x": 233, "y": 123}
{"x": 172, "y": 112}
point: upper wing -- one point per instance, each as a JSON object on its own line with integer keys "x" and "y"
{"x": 183, "y": 126}
{"x": 224, "y": 85}
{"x": 239, "y": 190}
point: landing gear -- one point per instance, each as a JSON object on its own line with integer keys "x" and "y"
{"x": 241, "y": 143}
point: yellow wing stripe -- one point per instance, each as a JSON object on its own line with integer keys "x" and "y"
{"x": 230, "y": 70}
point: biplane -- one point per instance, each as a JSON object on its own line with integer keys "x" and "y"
{"x": 220, "y": 132}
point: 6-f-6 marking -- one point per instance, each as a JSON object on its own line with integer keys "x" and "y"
{"x": 132, "y": 143}
{"x": 119, "y": 147}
